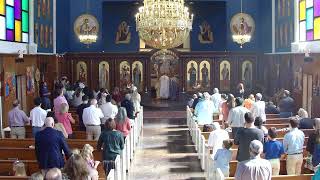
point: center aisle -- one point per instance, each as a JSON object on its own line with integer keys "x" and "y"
{"x": 166, "y": 150}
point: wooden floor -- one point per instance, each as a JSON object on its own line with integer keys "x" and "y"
{"x": 166, "y": 151}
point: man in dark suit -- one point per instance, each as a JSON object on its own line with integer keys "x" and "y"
{"x": 49, "y": 144}
{"x": 85, "y": 104}
{"x": 129, "y": 106}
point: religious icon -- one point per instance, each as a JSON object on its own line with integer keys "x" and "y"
{"x": 104, "y": 75}
{"x": 39, "y": 8}
{"x": 46, "y": 37}
{"x": 205, "y": 36}
{"x": 285, "y": 35}
{"x": 41, "y": 35}
{"x": 124, "y": 74}
{"x": 192, "y": 70}
{"x": 242, "y": 24}
{"x": 48, "y": 9}
{"x": 82, "y": 71}
{"x": 10, "y": 84}
{"x": 30, "y": 80}
{"x": 225, "y": 76}
{"x": 297, "y": 83}
{"x": 205, "y": 74}
{"x": 43, "y": 8}
{"x": 36, "y": 31}
{"x": 247, "y": 74}
{"x": 86, "y": 24}
{"x": 123, "y": 35}
{"x": 137, "y": 74}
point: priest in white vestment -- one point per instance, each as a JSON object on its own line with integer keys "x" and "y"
{"x": 204, "y": 110}
{"x": 164, "y": 87}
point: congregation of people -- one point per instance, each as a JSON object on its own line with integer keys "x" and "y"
{"x": 105, "y": 117}
{"x": 259, "y": 152}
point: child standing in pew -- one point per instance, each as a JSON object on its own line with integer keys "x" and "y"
{"x": 223, "y": 157}
{"x": 273, "y": 151}
{"x": 87, "y": 154}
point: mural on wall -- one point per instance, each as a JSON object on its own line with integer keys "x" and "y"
{"x": 225, "y": 71}
{"x": 284, "y": 25}
{"x": 86, "y": 24}
{"x": 192, "y": 75}
{"x": 124, "y": 75}
{"x": 242, "y": 23}
{"x": 30, "y": 80}
{"x": 43, "y": 20}
{"x": 10, "y": 85}
{"x": 247, "y": 74}
{"x": 205, "y": 35}
{"x": 104, "y": 75}
{"x": 137, "y": 74}
{"x": 123, "y": 35}
{"x": 205, "y": 74}
{"x": 82, "y": 71}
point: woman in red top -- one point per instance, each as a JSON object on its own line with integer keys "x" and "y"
{"x": 123, "y": 122}
{"x": 65, "y": 119}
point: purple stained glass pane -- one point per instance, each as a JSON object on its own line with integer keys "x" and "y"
{"x": 17, "y": 9}
{"x": 309, "y": 35}
{"x": 10, "y": 35}
{"x": 316, "y": 5}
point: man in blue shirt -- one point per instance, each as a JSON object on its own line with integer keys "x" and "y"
{"x": 293, "y": 147}
{"x": 273, "y": 150}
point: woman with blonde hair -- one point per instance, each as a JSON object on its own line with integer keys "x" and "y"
{"x": 87, "y": 155}
{"x": 65, "y": 118}
{"x": 19, "y": 169}
{"x": 76, "y": 168}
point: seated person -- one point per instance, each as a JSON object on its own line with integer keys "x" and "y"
{"x": 305, "y": 122}
{"x": 19, "y": 169}
{"x": 271, "y": 108}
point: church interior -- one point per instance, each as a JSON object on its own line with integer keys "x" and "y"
{"x": 169, "y": 50}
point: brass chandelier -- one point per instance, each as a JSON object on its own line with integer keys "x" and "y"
{"x": 164, "y": 24}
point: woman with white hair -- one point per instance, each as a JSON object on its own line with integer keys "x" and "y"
{"x": 255, "y": 168}
{"x": 136, "y": 99}
{"x": 216, "y": 138}
{"x": 204, "y": 110}
{"x": 305, "y": 122}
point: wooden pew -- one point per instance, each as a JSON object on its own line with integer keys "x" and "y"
{"x": 278, "y": 121}
{"x": 270, "y": 116}
{"x": 15, "y": 177}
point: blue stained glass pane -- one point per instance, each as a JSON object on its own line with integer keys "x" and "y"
{"x": 309, "y": 18}
{"x": 10, "y": 17}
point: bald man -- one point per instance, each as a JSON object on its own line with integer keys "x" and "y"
{"x": 17, "y": 121}
{"x": 92, "y": 116}
{"x": 49, "y": 144}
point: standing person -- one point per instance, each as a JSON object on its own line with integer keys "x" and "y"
{"x": 77, "y": 98}
{"x": 136, "y": 99}
{"x": 190, "y": 102}
{"x": 123, "y": 122}
{"x": 259, "y": 124}
{"x": 37, "y": 116}
{"x": 85, "y": 104}
{"x": 286, "y": 105}
{"x": 258, "y": 108}
{"x": 216, "y": 138}
{"x": 240, "y": 91}
{"x": 197, "y": 100}
{"x": 112, "y": 142}
{"x": 224, "y": 107}
{"x": 127, "y": 103}
{"x": 49, "y": 144}
{"x": 58, "y": 101}
{"x": 17, "y": 121}
{"x": 65, "y": 118}
{"x": 116, "y": 95}
{"x": 248, "y": 103}
{"x": 92, "y": 116}
{"x": 87, "y": 154}
{"x": 313, "y": 146}
{"x": 76, "y": 168}
{"x": 223, "y": 157}
{"x": 216, "y": 99}
{"x": 57, "y": 125}
{"x": 273, "y": 150}
{"x": 293, "y": 146}
{"x": 45, "y": 96}
{"x": 245, "y": 136}
{"x": 204, "y": 110}
{"x": 108, "y": 109}
{"x": 236, "y": 119}
{"x": 254, "y": 168}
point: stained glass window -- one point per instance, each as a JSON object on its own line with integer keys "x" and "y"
{"x": 309, "y": 20}
{"x": 14, "y": 20}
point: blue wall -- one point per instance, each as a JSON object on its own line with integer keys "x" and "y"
{"x": 108, "y": 14}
